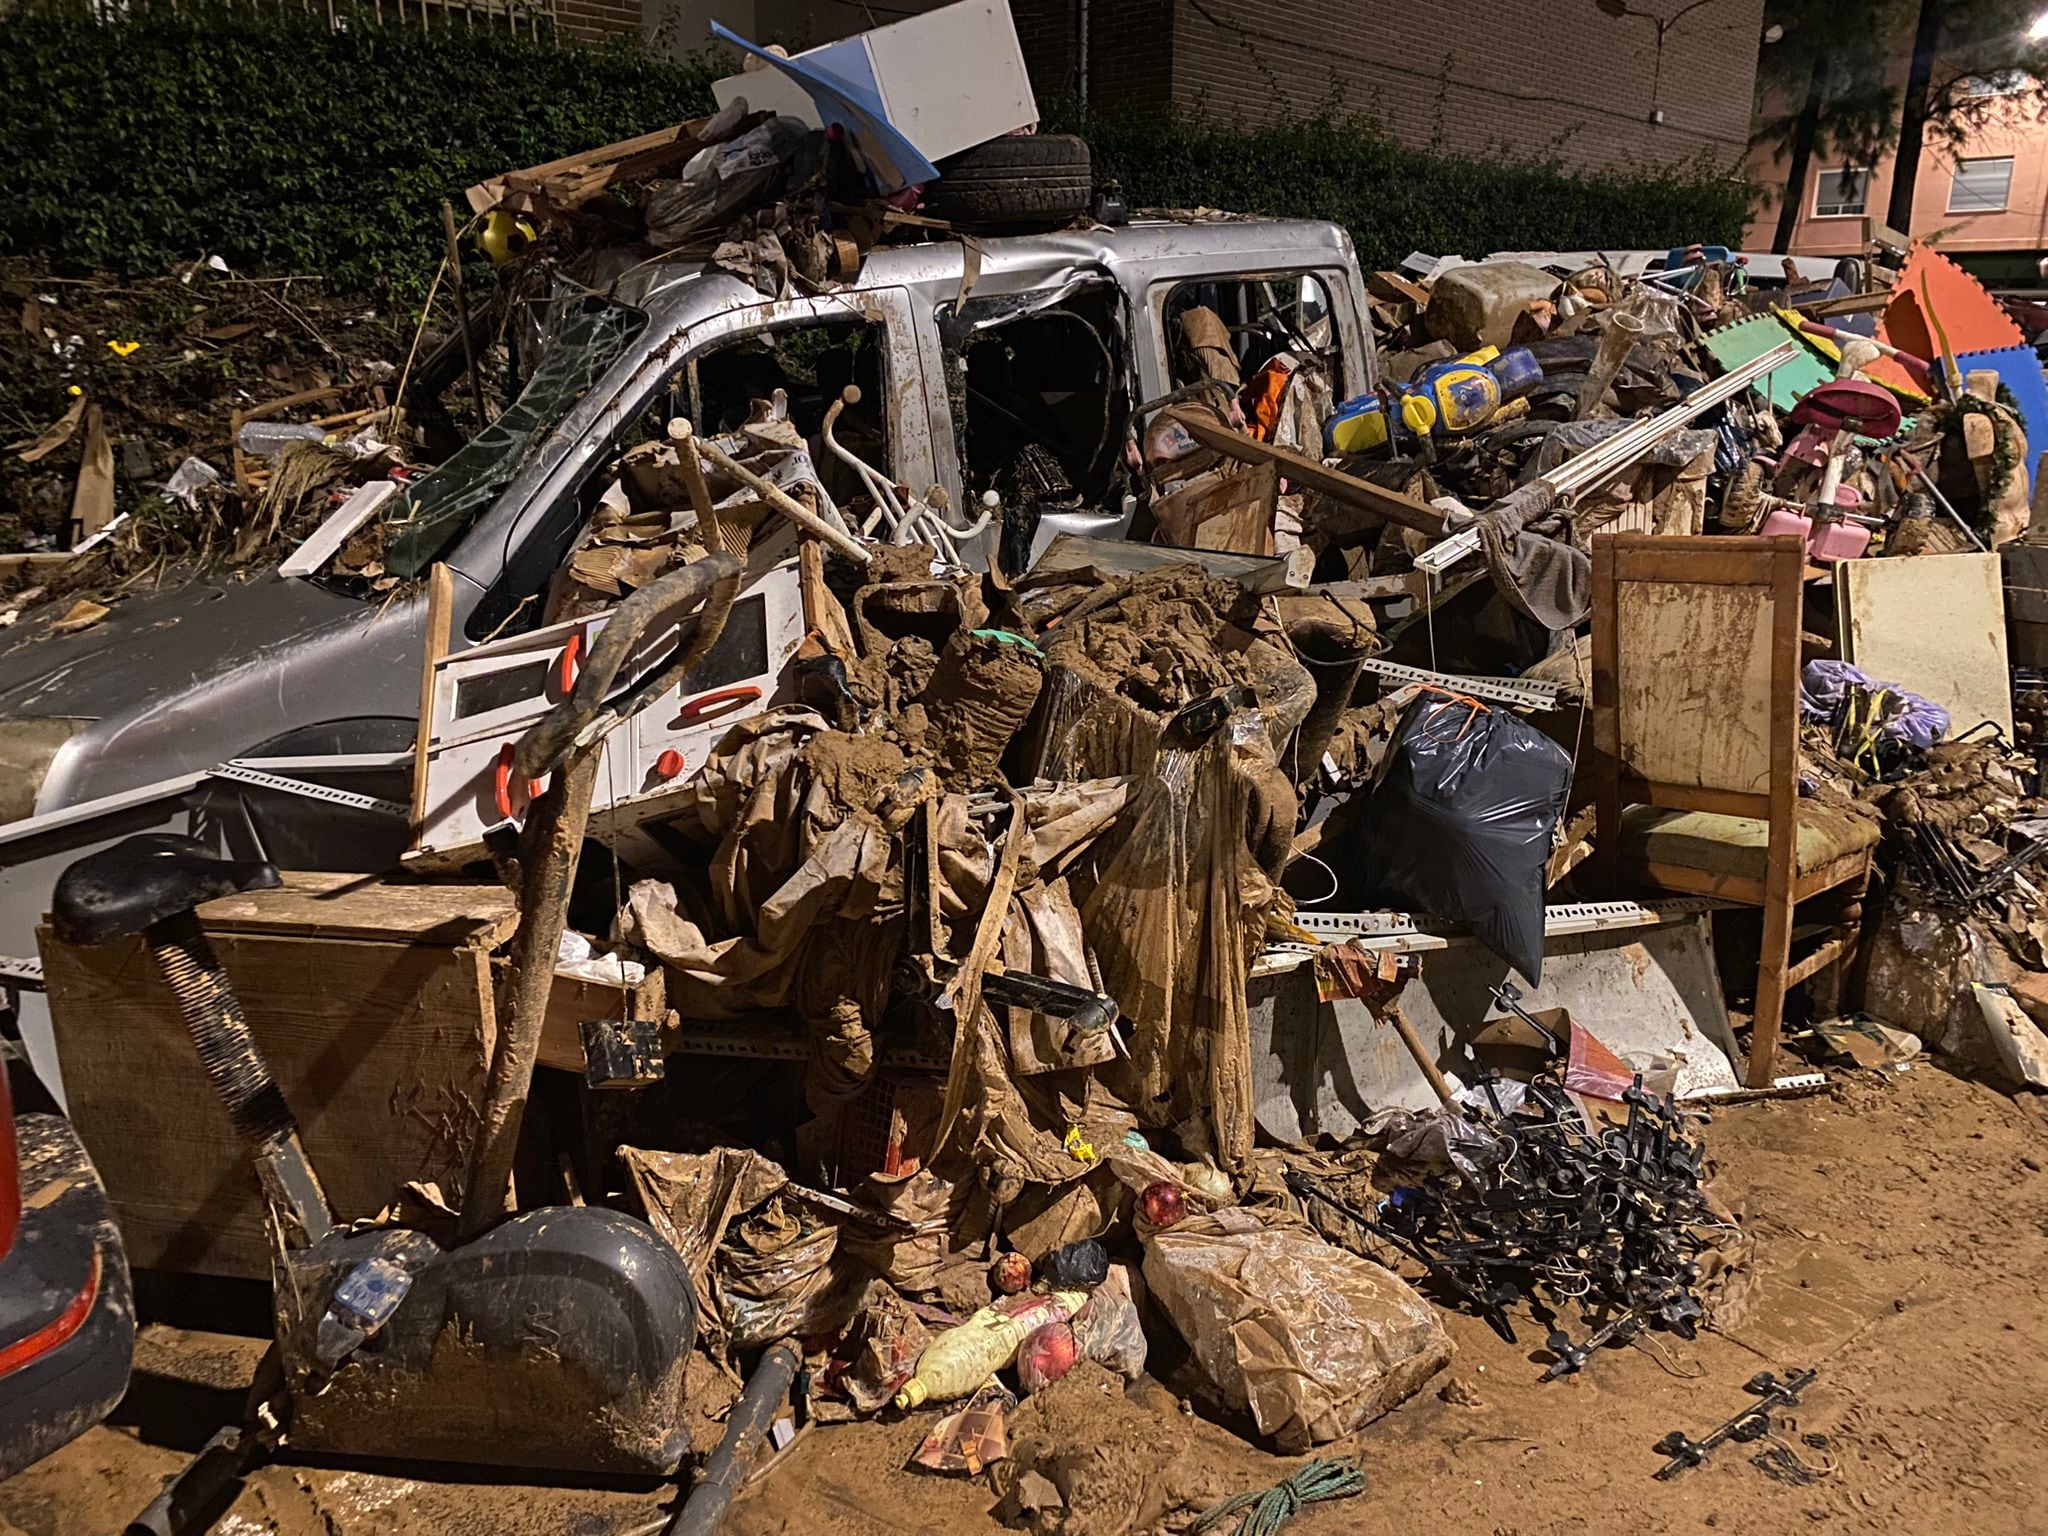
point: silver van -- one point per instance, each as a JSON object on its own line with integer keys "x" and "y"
{"x": 1006, "y": 364}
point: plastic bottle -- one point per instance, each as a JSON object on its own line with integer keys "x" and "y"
{"x": 961, "y": 1359}
{"x": 267, "y": 439}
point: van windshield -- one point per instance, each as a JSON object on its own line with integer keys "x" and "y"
{"x": 585, "y": 336}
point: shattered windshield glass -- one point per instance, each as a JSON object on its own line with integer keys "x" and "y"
{"x": 586, "y": 335}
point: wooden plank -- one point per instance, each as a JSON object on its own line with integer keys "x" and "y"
{"x": 380, "y": 1049}
{"x": 1698, "y": 882}
{"x": 1692, "y": 797}
{"x": 1302, "y": 471}
{"x": 823, "y": 615}
{"x": 1701, "y": 567}
{"x": 1855, "y": 866}
{"x": 326, "y": 541}
{"x": 593, "y": 169}
{"x": 1823, "y": 957}
{"x": 1934, "y": 625}
{"x": 440, "y": 612}
{"x": 1069, "y": 557}
{"x": 1781, "y": 858}
{"x": 1232, "y": 512}
{"x": 1607, "y": 761}
{"x": 314, "y": 905}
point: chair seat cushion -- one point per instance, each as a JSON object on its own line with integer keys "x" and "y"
{"x": 1735, "y": 845}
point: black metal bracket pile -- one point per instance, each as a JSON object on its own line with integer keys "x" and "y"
{"x": 1608, "y": 1220}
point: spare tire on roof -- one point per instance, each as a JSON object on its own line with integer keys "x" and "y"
{"x": 1024, "y": 181}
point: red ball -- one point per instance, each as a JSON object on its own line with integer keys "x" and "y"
{"x": 1010, "y": 1273}
{"x": 1047, "y": 1353}
{"x": 1162, "y": 1204}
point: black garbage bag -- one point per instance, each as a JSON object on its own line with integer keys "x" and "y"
{"x": 1461, "y": 825}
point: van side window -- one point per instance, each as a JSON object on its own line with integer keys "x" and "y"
{"x": 1220, "y": 326}
{"x": 812, "y": 364}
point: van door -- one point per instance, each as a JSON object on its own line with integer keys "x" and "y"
{"x": 1037, "y": 394}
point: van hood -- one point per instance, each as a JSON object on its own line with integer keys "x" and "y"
{"x": 163, "y": 642}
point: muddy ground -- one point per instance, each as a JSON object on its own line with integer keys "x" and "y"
{"x": 1902, "y": 1248}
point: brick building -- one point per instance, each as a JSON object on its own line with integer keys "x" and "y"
{"x": 1663, "y": 83}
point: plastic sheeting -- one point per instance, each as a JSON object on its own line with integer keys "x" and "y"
{"x": 1823, "y": 685}
{"x": 764, "y": 1265}
{"x": 1313, "y": 1341}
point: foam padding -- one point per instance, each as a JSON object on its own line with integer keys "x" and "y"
{"x": 1750, "y": 338}
{"x": 1939, "y": 308}
{"x": 2019, "y": 369}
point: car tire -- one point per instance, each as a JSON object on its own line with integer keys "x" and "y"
{"x": 1025, "y": 181}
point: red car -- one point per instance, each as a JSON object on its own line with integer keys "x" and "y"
{"x": 67, "y": 1317}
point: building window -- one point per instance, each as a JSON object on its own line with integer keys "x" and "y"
{"x": 1980, "y": 186}
{"x": 2006, "y": 82}
{"x": 1842, "y": 193}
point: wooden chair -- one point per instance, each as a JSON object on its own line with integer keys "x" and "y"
{"x": 1696, "y": 746}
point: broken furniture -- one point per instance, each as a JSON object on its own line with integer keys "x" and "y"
{"x": 575, "y": 1324}
{"x": 480, "y": 699}
{"x": 1933, "y": 625}
{"x": 1696, "y": 747}
{"x": 584, "y": 1310}
{"x": 947, "y": 78}
{"x": 1644, "y": 972}
{"x": 376, "y": 1005}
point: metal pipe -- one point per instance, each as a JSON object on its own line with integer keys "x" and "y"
{"x": 704, "y": 1511}
{"x": 1944, "y": 503}
{"x": 202, "y": 1490}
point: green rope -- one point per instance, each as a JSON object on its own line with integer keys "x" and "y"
{"x": 1265, "y": 1510}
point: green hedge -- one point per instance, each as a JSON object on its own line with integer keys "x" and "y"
{"x": 1395, "y": 200}
{"x": 281, "y": 146}
{"x": 284, "y": 147}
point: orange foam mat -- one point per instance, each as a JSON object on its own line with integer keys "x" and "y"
{"x": 1937, "y": 307}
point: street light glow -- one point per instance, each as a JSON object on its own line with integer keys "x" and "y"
{"x": 2039, "y": 29}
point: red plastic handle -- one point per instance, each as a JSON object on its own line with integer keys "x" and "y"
{"x": 504, "y": 782}
{"x": 702, "y": 707}
{"x": 566, "y": 664}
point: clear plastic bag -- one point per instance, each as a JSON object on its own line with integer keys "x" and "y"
{"x": 1109, "y": 1329}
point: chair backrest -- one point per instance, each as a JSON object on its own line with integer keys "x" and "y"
{"x": 1696, "y": 671}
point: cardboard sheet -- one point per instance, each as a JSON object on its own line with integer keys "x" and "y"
{"x": 1933, "y": 624}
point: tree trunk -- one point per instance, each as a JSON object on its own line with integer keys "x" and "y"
{"x": 1805, "y": 130}
{"x": 1913, "y": 116}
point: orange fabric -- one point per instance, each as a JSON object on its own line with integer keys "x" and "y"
{"x": 1263, "y": 397}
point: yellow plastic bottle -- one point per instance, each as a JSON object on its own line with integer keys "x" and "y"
{"x": 961, "y": 1359}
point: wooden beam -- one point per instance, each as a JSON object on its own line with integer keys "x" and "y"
{"x": 440, "y": 611}
{"x": 1302, "y": 470}
{"x": 592, "y": 171}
